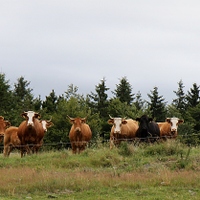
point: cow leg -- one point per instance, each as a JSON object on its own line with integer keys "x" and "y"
{"x": 74, "y": 148}
{"x": 5, "y": 151}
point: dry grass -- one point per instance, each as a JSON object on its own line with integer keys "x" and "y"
{"x": 140, "y": 175}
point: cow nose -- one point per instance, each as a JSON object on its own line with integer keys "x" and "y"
{"x": 78, "y": 129}
{"x": 30, "y": 124}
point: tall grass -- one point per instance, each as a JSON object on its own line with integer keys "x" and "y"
{"x": 161, "y": 171}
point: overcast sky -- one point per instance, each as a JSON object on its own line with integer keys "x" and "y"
{"x": 55, "y": 43}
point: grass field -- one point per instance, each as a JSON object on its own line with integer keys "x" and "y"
{"x": 167, "y": 170}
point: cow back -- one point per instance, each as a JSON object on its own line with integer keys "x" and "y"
{"x": 128, "y": 130}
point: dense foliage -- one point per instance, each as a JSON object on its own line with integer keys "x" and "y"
{"x": 97, "y": 106}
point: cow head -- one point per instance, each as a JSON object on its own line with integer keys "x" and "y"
{"x": 46, "y": 124}
{"x": 117, "y": 123}
{"x": 144, "y": 121}
{"x": 174, "y": 123}
{"x": 77, "y": 122}
{"x": 3, "y": 125}
{"x": 30, "y": 116}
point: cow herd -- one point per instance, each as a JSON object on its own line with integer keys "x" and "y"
{"x": 28, "y": 137}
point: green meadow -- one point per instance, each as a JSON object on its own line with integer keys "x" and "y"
{"x": 167, "y": 170}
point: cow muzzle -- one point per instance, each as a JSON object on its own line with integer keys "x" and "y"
{"x": 77, "y": 130}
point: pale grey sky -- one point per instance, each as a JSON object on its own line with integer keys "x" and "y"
{"x": 55, "y": 43}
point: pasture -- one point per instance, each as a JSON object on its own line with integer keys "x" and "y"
{"x": 168, "y": 170}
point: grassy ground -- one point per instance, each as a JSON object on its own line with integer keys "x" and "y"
{"x": 161, "y": 171}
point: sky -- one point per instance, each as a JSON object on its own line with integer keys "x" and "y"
{"x": 56, "y": 43}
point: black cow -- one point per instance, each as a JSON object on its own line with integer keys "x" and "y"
{"x": 148, "y": 129}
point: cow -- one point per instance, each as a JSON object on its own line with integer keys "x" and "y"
{"x": 4, "y": 124}
{"x": 80, "y": 134}
{"x": 168, "y": 129}
{"x": 30, "y": 131}
{"x": 122, "y": 130}
{"x": 11, "y": 139}
{"x": 148, "y": 129}
{"x": 45, "y": 125}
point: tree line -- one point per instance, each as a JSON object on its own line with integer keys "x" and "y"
{"x": 97, "y": 106}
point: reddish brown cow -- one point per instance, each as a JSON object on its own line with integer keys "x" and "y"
{"x": 3, "y": 125}
{"x": 168, "y": 129}
{"x": 30, "y": 131}
{"x": 122, "y": 130}
{"x": 45, "y": 125}
{"x": 11, "y": 140}
{"x": 79, "y": 135}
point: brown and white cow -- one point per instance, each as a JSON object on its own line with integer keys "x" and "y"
{"x": 122, "y": 130}
{"x": 11, "y": 140}
{"x": 80, "y": 134}
{"x": 4, "y": 124}
{"x": 45, "y": 125}
{"x": 30, "y": 131}
{"x": 168, "y": 129}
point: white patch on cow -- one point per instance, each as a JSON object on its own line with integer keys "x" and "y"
{"x": 30, "y": 115}
{"x": 117, "y": 125}
{"x": 44, "y": 125}
{"x": 174, "y": 123}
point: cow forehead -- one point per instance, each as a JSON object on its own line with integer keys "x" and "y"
{"x": 174, "y": 120}
{"x": 30, "y": 114}
{"x": 117, "y": 121}
{"x": 44, "y": 124}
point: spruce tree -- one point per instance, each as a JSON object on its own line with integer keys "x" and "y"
{"x": 123, "y": 91}
{"x": 23, "y": 95}
{"x": 6, "y": 96}
{"x": 180, "y": 101}
{"x": 99, "y": 101}
{"x": 192, "y": 97}
{"x": 157, "y": 105}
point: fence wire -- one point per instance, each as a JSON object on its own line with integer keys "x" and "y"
{"x": 101, "y": 140}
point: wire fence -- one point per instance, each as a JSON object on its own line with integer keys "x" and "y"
{"x": 193, "y": 139}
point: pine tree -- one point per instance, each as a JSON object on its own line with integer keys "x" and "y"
{"x": 157, "y": 105}
{"x": 50, "y": 103}
{"x": 139, "y": 103}
{"x": 192, "y": 97}
{"x": 99, "y": 100}
{"x": 180, "y": 101}
{"x": 6, "y": 95}
{"x": 123, "y": 91}
{"x": 23, "y": 95}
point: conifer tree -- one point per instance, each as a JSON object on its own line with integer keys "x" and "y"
{"x": 192, "y": 97}
{"x": 6, "y": 95}
{"x": 23, "y": 95}
{"x": 180, "y": 101}
{"x": 123, "y": 91}
{"x": 157, "y": 105}
{"x": 99, "y": 100}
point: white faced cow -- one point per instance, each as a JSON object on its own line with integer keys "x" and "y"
{"x": 168, "y": 129}
{"x": 30, "y": 131}
{"x": 122, "y": 130}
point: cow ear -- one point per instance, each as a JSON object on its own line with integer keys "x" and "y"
{"x": 150, "y": 119}
{"x": 37, "y": 115}
{"x": 168, "y": 120}
{"x": 8, "y": 124}
{"x": 137, "y": 119}
{"x": 180, "y": 121}
{"x": 124, "y": 121}
{"x": 110, "y": 121}
{"x": 83, "y": 120}
{"x": 24, "y": 115}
